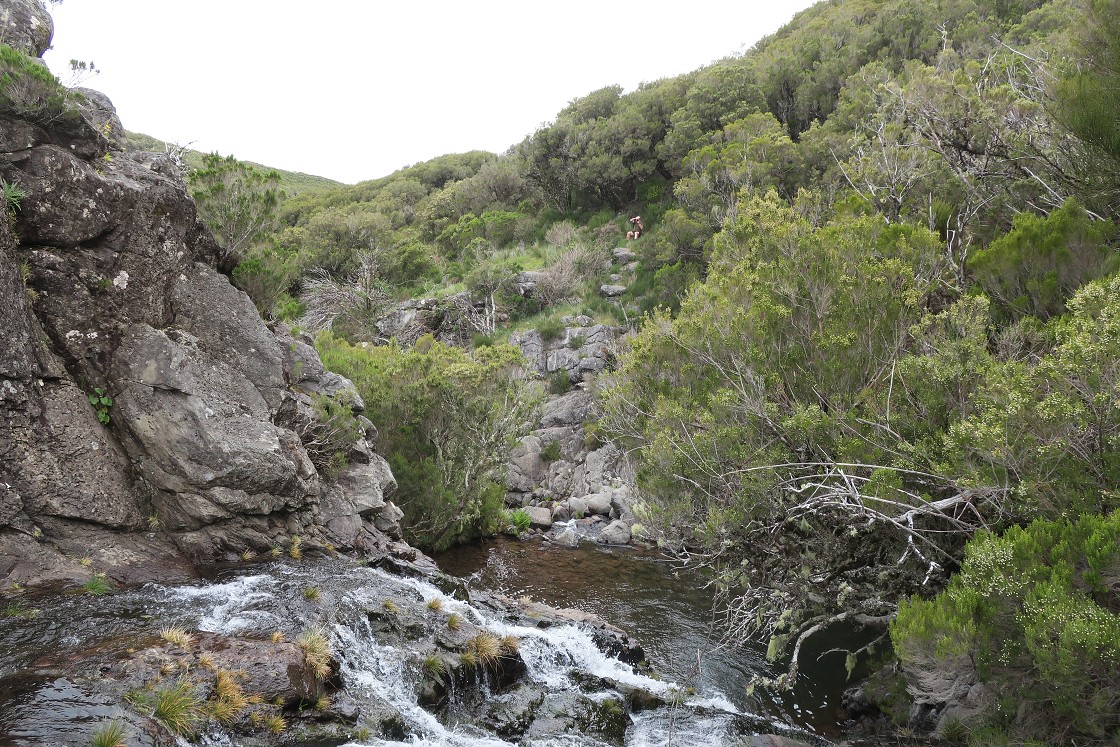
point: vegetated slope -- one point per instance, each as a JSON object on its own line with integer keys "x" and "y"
{"x": 882, "y": 242}
{"x": 292, "y": 182}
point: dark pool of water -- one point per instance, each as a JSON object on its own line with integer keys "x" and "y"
{"x": 667, "y": 608}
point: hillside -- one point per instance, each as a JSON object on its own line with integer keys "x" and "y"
{"x": 846, "y": 309}
{"x": 871, "y": 310}
{"x": 292, "y": 182}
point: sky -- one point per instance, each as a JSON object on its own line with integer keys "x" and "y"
{"x": 356, "y": 89}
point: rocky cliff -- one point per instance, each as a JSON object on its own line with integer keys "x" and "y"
{"x": 192, "y": 451}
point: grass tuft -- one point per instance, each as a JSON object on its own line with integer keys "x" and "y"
{"x": 276, "y": 723}
{"x": 509, "y": 645}
{"x": 454, "y": 622}
{"x": 99, "y": 585}
{"x": 312, "y": 593}
{"x": 177, "y": 636}
{"x": 178, "y": 707}
{"x": 110, "y": 735}
{"x": 486, "y": 648}
{"x": 316, "y": 653}
{"x": 435, "y": 604}
{"x": 433, "y": 667}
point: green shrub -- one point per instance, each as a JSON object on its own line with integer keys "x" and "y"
{"x": 1037, "y": 266}
{"x": 519, "y": 519}
{"x": 575, "y": 342}
{"x": 551, "y": 451}
{"x": 332, "y": 433}
{"x": 559, "y": 382}
{"x": 1034, "y": 616}
{"x": 550, "y": 329}
{"x": 448, "y": 419}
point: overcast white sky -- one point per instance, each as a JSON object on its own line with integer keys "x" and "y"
{"x": 356, "y": 89}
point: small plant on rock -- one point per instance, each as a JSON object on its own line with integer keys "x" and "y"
{"x": 486, "y": 648}
{"x": 109, "y": 735}
{"x": 101, "y": 402}
{"x": 519, "y": 520}
{"x": 178, "y": 707}
{"x": 177, "y": 636}
{"x": 454, "y": 621}
{"x": 295, "y": 548}
{"x": 99, "y": 585}
{"x": 435, "y": 604}
{"x": 509, "y": 645}
{"x": 311, "y": 593}
{"x": 276, "y": 723}
{"x": 390, "y": 606}
{"x": 433, "y": 667}
{"x": 316, "y": 653}
{"x": 551, "y": 452}
{"x": 13, "y": 196}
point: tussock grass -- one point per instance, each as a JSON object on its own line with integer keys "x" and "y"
{"x": 276, "y": 723}
{"x": 454, "y": 622}
{"x": 176, "y": 635}
{"x": 178, "y": 707}
{"x": 99, "y": 585}
{"x": 486, "y": 648}
{"x": 509, "y": 645}
{"x": 109, "y": 735}
{"x": 435, "y": 604}
{"x": 316, "y": 649}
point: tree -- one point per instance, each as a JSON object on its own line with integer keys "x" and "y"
{"x": 448, "y": 420}
{"x": 237, "y": 201}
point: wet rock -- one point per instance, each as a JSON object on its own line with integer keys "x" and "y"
{"x": 510, "y": 714}
{"x": 567, "y": 538}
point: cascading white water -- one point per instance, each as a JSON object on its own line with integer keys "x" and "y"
{"x": 373, "y": 670}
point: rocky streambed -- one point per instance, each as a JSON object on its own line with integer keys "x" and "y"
{"x": 419, "y": 658}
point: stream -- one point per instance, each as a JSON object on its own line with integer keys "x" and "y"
{"x": 700, "y": 699}
{"x": 669, "y": 611}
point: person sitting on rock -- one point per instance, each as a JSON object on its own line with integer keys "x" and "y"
{"x": 636, "y": 227}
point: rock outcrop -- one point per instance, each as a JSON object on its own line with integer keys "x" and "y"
{"x": 149, "y": 420}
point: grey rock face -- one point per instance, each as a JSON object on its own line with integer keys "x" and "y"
{"x": 110, "y": 286}
{"x": 27, "y": 26}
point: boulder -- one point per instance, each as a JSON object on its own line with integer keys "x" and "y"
{"x": 612, "y": 291}
{"x": 567, "y": 538}
{"x": 615, "y": 533}
{"x": 599, "y": 503}
{"x": 540, "y": 516}
{"x": 623, "y": 255}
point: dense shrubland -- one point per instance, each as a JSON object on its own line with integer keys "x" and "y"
{"x": 878, "y": 339}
